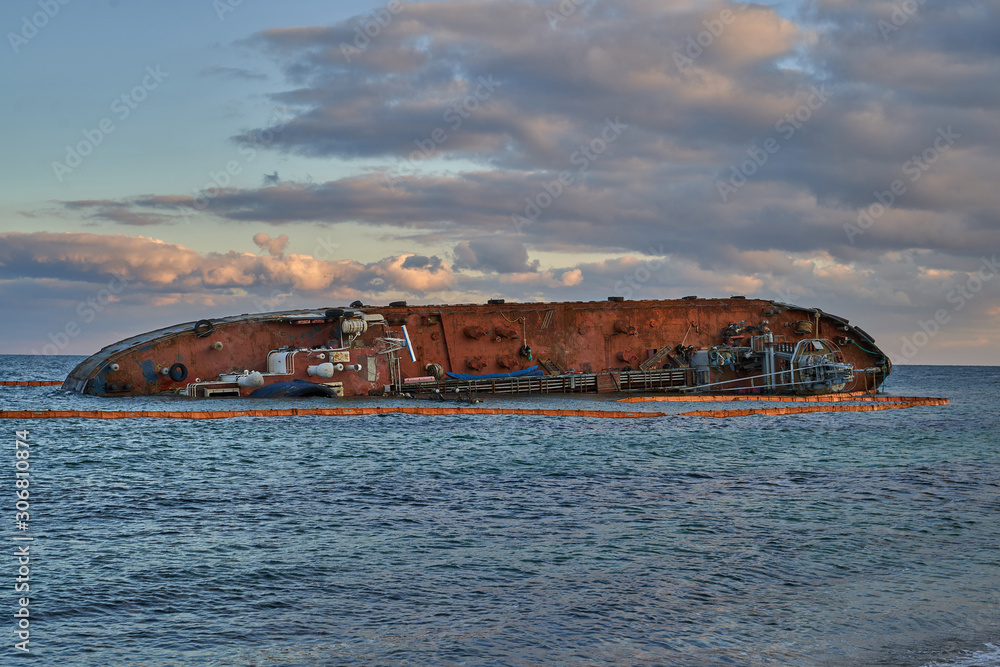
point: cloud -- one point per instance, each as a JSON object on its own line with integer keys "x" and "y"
{"x": 505, "y": 86}
{"x": 422, "y": 262}
{"x": 120, "y": 212}
{"x": 152, "y": 264}
{"x": 528, "y": 101}
{"x": 274, "y": 246}
{"x": 233, "y": 73}
{"x": 503, "y": 255}
{"x": 133, "y": 218}
{"x": 426, "y": 274}
{"x": 81, "y": 256}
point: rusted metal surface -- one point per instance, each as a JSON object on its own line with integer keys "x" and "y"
{"x": 599, "y": 337}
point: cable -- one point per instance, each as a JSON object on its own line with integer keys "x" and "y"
{"x": 877, "y": 354}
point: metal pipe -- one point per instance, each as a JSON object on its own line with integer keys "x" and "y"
{"x": 769, "y": 347}
{"x": 750, "y": 377}
{"x": 409, "y": 345}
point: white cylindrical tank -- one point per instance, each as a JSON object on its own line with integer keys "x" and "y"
{"x": 323, "y": 370}
{"x": 254, "y": 379}
{"x": 351, "y": 327}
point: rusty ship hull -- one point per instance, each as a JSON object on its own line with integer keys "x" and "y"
{"x": 691, "y": 344}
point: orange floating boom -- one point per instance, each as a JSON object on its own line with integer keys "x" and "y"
{"x": 854, "y": 396}
{"x": 322, "y": 412}
{"x": 30, "y": 383}
{"x": 906, "y": 402}
{"x": 889, "y": 404}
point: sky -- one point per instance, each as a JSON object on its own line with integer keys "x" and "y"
{"x": 167, "y": 162}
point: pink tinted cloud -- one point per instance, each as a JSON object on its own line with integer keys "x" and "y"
{"x": 157, "y": 264}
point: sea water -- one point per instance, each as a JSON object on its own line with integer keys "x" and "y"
{"x": 817, "y": 539}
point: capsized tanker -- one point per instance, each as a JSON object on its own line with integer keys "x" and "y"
{"x": 686, "y": 345}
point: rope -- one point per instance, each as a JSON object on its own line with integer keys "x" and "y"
{"x": 524, "y": 325}
{"x": 686, "y": 333}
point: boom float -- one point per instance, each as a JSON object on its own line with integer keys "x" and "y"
{"x": 688, "y": 345}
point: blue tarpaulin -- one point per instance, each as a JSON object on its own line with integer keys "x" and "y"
{"x": 534, "y": 371}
